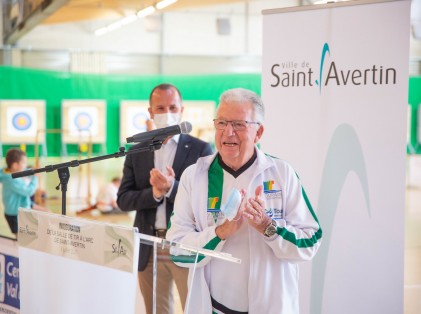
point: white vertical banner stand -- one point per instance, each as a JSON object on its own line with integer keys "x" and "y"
{"x": 335, "y": 84}
{"x": 70, "y": 265}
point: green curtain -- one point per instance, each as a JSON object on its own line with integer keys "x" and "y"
{"x": 53, "y": 87}
{"x": 414, "y": 100}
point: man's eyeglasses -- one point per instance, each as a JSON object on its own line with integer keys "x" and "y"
{"x": 237, "y": 125}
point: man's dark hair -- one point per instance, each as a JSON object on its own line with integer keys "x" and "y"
{"x": 164, "y": 86}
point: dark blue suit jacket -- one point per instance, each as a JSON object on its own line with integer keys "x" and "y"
{"x": 135, "y": 192}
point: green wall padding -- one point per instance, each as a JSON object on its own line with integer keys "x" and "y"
{"x": 53, "y": 87}
{"x": 414, "y": 100}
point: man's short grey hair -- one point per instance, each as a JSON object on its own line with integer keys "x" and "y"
{"x": 242, "y": 95}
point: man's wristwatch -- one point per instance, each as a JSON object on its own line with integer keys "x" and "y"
{"x": 270, "y": 229}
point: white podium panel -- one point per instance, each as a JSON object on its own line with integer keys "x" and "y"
{"x": 70, "y": 265}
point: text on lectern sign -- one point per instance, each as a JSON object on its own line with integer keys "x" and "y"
{"x": 79, "y": 239}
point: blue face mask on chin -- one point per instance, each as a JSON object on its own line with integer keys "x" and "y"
{"x": 230, "y": 208}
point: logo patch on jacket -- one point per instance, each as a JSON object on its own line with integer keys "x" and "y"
{"x": 212, "y": 201}
{"x": 213, "y": 213}
{"x": 270, "y": 190}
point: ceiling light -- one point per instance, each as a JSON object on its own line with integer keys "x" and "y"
{"x": 146, "y": 11}
{"x": 124, "y": 21}
{"x": 108, "y": 28}
{"x": 131, "y": 18}
{"x": 128, "y": 19}
{"x": 101, "y": 31}
{"x": 164, "y": 3}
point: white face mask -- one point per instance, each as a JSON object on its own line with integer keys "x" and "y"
{"x": 232, "y": 205}
{"x": 166, "y": 119}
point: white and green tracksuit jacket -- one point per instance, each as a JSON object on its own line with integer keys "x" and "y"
{"x": 271, "y": 279}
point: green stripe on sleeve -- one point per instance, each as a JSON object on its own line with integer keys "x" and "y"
{"x": 301, "y": 243}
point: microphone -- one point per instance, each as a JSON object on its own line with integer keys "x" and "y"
{"x": 161, "y": 134}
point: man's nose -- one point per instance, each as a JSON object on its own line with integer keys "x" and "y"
{"x": 229, "y": 129}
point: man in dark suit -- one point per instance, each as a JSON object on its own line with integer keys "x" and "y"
{"x": 149, "y": 185}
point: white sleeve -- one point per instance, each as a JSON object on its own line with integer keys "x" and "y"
{"x": 299, "y": 234}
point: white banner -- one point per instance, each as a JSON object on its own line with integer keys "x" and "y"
{"x": 335, "y": 82}
{"x": 70, "y": 265}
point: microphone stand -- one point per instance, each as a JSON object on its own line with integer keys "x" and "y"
{"x": 63, "y": 168}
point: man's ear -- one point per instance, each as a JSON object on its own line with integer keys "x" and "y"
{"x": 259, "y": 134}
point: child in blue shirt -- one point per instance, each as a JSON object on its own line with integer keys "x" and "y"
{"x": 16, "y": 192}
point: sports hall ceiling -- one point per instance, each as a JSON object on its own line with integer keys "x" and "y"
{"x": 20, "y": 16}
{"x": 79, "y": 10}
{"x": 37, "y": 12}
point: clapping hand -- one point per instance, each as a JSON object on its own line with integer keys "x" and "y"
{"x": 254, "y": 211}
{"x": 161, "y": 182}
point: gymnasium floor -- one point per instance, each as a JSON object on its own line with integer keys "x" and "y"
{"x": 80, "y": 186}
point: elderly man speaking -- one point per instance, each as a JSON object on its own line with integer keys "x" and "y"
{"x": 250, "y": 205}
